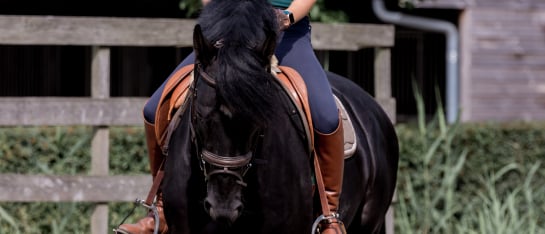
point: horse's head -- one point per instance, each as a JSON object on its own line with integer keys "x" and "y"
{"x": 232, "y": 98}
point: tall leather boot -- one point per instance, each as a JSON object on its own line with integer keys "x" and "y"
{"x": 330, "y": 152}
{"x": 146, "y": 225}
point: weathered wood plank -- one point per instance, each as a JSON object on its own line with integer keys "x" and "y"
{"x": 513, "y": 60}
{"x": 60, "y": 111}
{"x": 512, "y": 90}
{"x": 73, "y": 188}
{"x": 115, "y": 31}
{"x": 537, "y": 60}
{"x": 503, "y": 75}
{"x": 461, "y": 4}
{"x": 519, "y": 4}
{"x": 447, "y": 4}
{"x": 351, "y": 37}
{"x": 491, "y": 111}
{"x": 521, "y": 49}
{"x": 100, "y": 72}
{"x": 107, "y": 31}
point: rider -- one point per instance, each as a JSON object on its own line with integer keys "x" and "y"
{"x": 293, "y": 50}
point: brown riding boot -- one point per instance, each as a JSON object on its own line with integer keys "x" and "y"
{"x": 146, "y": 225}
{"x": 330, "y": 152}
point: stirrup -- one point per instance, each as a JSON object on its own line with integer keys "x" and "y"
{"x": 152, "y": 207}
{"x": 327, "y": 219}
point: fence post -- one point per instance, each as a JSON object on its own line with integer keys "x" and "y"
{"x": 383, "y": 94}
{"x": 100, "y": 88}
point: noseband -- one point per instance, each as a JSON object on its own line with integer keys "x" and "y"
{"x": 237, "y": 166}
{"x": 211, "y": 163}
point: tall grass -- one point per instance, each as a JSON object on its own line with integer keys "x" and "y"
{"x": 505, "y": 213}
{"x": 431, "y": 194}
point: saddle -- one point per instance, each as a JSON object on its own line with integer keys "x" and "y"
{"x": 177, "y": 87}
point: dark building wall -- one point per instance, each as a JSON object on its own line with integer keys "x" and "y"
{"x": 138, "y": 71}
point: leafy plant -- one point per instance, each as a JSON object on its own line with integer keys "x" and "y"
{"x": 427, "y": 198}
{"x": 452, "y": 185}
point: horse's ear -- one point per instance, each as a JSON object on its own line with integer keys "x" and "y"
{"x": 203, "y": 49}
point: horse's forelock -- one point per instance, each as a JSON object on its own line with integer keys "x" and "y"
{"x": 243, "y": 27}
{"x": 237, "y": 20}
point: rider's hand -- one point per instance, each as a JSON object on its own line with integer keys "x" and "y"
{"x": 283, "y": 19}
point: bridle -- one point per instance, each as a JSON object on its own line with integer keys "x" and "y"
{"x": 211, "y": 163}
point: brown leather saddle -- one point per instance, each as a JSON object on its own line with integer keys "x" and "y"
{"x": 177, "y": 87}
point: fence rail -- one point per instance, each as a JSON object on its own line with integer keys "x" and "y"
{"x": 73, "y": 188}
{"x": 118, "y": 31}
{"x": 101, "y": 111}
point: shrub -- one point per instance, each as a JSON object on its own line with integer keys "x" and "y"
{"x": 470, "y": 178}
{"x": 453, "y": 178}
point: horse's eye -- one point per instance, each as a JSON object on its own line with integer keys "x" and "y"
{"x": 226, "y": 111}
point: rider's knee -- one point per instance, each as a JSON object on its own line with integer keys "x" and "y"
{"x": 327, "y": 122}
{"x": 149, "y": 111}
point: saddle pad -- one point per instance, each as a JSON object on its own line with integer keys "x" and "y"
{"x": 348, "y": 128}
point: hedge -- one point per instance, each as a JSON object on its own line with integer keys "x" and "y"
{"x": 459, "y": 178}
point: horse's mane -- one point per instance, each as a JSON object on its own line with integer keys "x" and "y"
{"x": 242, "y": 27}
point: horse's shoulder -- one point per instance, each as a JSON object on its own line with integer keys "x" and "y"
{"x": 172, "y": 97}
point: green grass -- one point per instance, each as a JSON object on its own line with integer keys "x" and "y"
{"x": 456, "y": 178}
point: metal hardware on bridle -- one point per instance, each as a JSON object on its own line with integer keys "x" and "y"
{"x": 218, "y": 44}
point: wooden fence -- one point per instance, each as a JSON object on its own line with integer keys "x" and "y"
{"x": 101, "y": 111}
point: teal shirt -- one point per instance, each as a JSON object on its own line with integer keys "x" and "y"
{"x": 281, "y": 3}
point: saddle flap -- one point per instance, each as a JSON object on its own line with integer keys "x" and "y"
{"x": 173, "y": 96}
{"x": 295, "y": 86}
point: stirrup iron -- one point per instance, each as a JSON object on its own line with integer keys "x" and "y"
{"x": 322, "y": 218}
{"x": 152, "y": 207}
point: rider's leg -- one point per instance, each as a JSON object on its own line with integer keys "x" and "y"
{"x": 147, "y": 224}
{"x": 295, "y": 50}
{"x": 151, "y": 105}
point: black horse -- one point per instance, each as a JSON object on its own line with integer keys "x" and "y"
{"x": 239, "y": 159}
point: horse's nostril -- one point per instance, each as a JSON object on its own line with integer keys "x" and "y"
{"x": 207, "y": 205}
{"x": 239, "y": 209}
